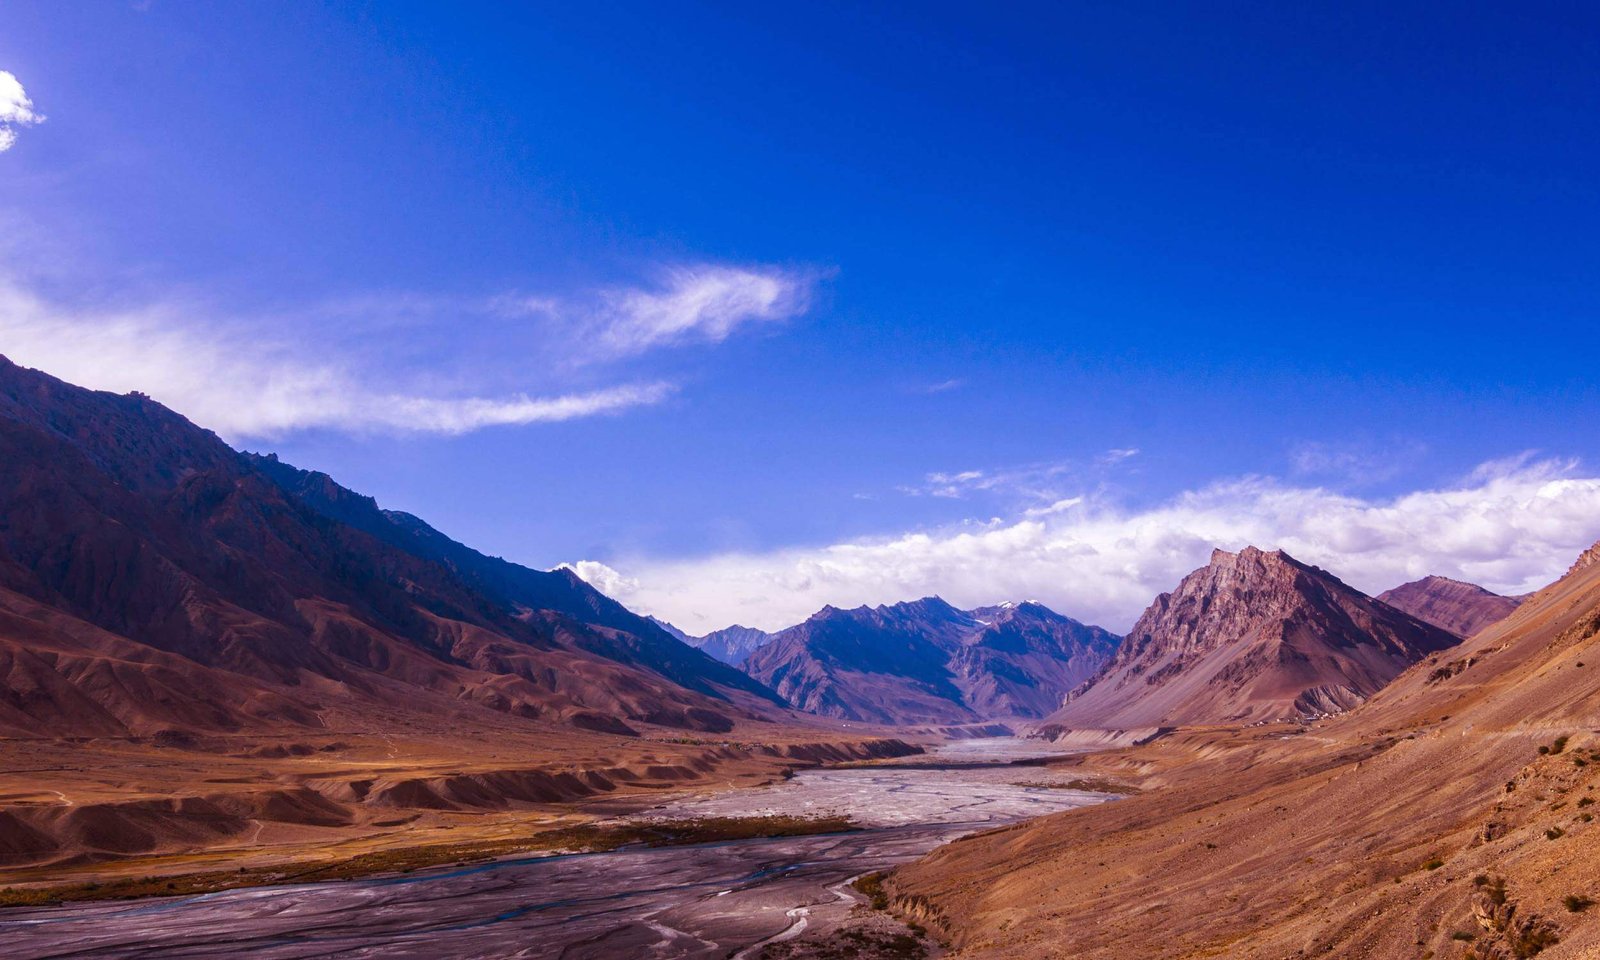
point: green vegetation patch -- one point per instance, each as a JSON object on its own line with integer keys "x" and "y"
{"x": 871, "y": 887}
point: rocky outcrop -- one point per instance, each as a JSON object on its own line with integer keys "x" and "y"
{"x": 1252, "y": 636}
{"x": 1586, "y": 559}
{"x": 1461, "y": 608}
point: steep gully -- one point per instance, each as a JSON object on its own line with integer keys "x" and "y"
{"x": 704, "y": 901}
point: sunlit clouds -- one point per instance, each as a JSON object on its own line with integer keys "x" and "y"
{"x": 1512, "y": 526}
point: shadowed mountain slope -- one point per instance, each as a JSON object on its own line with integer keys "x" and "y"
{"x": 1461, "y": 608}
{"x": 638, "y": 641}
{"x": 1251, "y": 636}
{"x": 135, "y": 545}
{"x": 928, "y": 662}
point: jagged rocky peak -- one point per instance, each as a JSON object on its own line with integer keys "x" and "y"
{"x": 733, "y": 644}
{"x": 934, "y": 606}
{"x": 1586, "y": 559}
{"x": 1252, "y": 635}
{"x": 1223, "y": 598}
{"x": 1009, "y": 609}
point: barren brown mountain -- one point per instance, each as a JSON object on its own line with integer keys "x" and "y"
{"x": 927, "y": 662}
{"x": 197, "y": 644}
{"x": 1251, "y": 636}
{"x": 1451, "y": 816}
{"x": 1461, "y": 608}
{"x": 118, "y": 513}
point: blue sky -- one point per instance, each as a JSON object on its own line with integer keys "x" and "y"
{"x": 752, "y": 284}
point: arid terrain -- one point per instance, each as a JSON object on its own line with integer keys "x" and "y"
{"x": 1461, "y": 608}
{"x": 213, "y": 660}
{"x": 705, "y": 900}
{"x": 245, "y": 705}
{"x": 93, "y": 813}
{"x": 808, "y": 481}
{"x": 1450, "y": 816}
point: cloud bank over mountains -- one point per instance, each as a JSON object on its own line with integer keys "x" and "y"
{"x": 1511, "y": 526}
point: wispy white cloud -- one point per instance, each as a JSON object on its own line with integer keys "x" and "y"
{"x": 704, "y": 303}
{"x": 463, "y": 415}
{"x": 943, "y": 386}
{"x": 701, "y": 303}
{"x": 1060, "y": 506}
{"x": 1512, "y": 526}
{"x": 336, "y": 363}
{"x": 241, "y": 380}
{"x": 16, "y": 110}
{"x": 1032, "y": 482}
{"x": 1030, "y": 485}
{"x": 956, "y": 485}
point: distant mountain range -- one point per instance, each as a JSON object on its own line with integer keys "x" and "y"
{"x": 927, "y": 662}
{"x": 1251, "y": 636}
{"x": 731, "y": 645}
{"x": 153, "y": 579}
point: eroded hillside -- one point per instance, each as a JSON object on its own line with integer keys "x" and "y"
{"x": 1450, "y": 816}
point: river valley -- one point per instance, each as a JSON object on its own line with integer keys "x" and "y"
{"x": 706, "y": 901}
